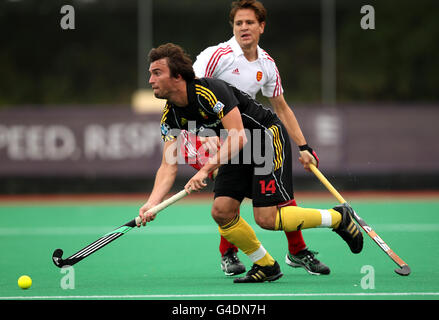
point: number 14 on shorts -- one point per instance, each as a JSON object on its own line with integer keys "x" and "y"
{"x": 267, "y": 187}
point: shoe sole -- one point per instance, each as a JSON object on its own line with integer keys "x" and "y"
{"x": 268, "y": 279}
{"x": 297, "y": 265}
{"x": 275, "y": 277}
{"x": 230, "y": 274}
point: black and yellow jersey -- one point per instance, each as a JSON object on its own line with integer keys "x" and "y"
{"x": 209, "y": 101}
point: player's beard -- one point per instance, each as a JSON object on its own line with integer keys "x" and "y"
{"x": 160, "y": 94}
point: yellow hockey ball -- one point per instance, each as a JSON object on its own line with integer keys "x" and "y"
{"x": 24, "y": 282}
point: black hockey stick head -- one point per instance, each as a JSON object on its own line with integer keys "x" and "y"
{"x": 403, "y": 271}
{"x": 56, "y": 258}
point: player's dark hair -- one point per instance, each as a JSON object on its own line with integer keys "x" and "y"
{"x": 179, "y": 61}
{"x": 256, "y": 6}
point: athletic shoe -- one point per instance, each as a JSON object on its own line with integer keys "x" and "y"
{"x": 348, "y": 230}
{"x": 306, "y": 259}
{"x": 260, "y": 274}
{"x": 230, "y": 263}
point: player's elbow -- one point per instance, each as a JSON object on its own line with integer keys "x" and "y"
{"x": 171, "y": 169}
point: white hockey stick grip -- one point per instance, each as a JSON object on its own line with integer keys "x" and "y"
{"x": 165, "y": 204}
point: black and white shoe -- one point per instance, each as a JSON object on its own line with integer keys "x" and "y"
{"x": 230, "y": 264}
{"x": 306, "y": 259}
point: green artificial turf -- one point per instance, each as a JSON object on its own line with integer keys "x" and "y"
{"x": 177, "y": 256}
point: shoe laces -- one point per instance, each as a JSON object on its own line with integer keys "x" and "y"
{"x": 231, "y": 257}
{"x": 310, "y": 256}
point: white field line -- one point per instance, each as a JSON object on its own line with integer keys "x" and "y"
{"x": 182, "y": 229}
{"x": 226, "y": 295}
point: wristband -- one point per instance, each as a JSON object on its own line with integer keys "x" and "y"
{"x": 306, "y": 147}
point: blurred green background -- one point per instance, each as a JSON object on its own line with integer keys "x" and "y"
{"x": 97, "y": 62}
{"x": 366, "y": 100}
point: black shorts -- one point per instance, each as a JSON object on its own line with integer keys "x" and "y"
{"x": 268, "y": 183}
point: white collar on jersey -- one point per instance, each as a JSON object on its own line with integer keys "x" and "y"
{"x": 237, "y": 51}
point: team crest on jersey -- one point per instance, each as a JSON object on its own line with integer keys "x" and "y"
{"x": 218, "y": 107}
{"x": 165, "y": 129}
{"x": 183, "y": 121}
{"x": 259, "y": 75}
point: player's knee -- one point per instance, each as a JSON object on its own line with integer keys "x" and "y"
{"x": 220, "y": 216}
{"x": 265, "y": 218}
{"x": 222, "y": 213}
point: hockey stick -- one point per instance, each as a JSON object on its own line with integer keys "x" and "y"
{"x": 404, "y": 269}
{"x": 110, "y": 236}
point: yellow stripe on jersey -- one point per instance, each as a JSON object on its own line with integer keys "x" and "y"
{"x": 276, "y": 147}
{"x": 165, "y": 112}
{"x": 278, "y": 160}
{"x": 207, "y": 94}
{"x": 166, "y": 137}
{"x": 210, "y": 97}
{"x": 279, "y": 149}
{"x": 207, "y": 97}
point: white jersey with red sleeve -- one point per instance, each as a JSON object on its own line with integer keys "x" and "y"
{"x": 226, "y": 61}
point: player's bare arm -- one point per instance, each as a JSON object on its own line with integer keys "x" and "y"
{"x": 235, "y": 141}
{"x": 288, "y": 118}
{"x": 164, "y": 180}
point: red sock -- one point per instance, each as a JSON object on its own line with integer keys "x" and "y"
{"x": 226, "y": 245}
{"x": 296, "y": 243}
